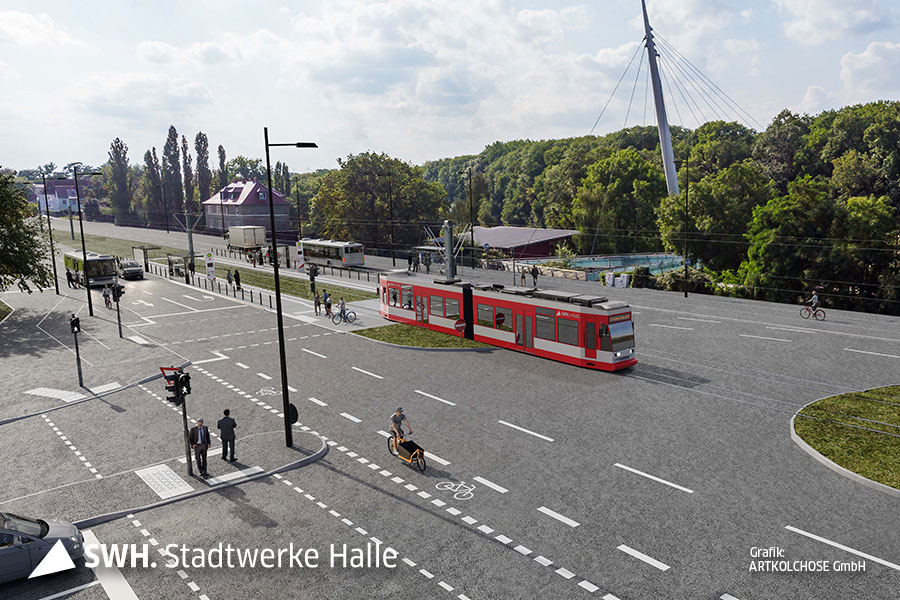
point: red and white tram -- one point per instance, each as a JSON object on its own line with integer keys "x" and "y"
{"x": 582, "y": 330}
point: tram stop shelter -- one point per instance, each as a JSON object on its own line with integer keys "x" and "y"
{"x": 142, "y": 255}
{"x": 521, "y": 242}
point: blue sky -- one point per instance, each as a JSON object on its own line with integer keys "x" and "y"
{"x": 418, "y": 79}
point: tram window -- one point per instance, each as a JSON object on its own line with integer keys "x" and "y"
{"x": 485, "y": 315}
{"x": 604, "y": 338}
{"x": 622, "y": 335}
{"x": 591, "y": 342}
{"x": 505, "y": 323}
{"x": 451, "y": 306}
{"x": 568, "y": 331}
{"x": 395, "y": 296}
{"x": 437, "y": 306}
{"x": 406, "y": 297}
{"x": 545, "y": 324}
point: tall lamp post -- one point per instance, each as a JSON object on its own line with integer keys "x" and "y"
{"x": 468, "y": 170}
{"x": 687, "y": 187}
{"x": 87, "y": 279}
{"x": 286, "y": 408}
{"x": 50, "y": 231}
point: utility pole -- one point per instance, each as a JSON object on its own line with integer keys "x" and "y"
{"x": 687, "y": 187}
{"x": 87, "y": 278}
{"x": 117, "y": 293}
{"x": 50, "y": 231}
{"x": 75, "y": 324}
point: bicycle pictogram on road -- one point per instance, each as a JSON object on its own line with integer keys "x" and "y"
{"x": 460, "y": 490}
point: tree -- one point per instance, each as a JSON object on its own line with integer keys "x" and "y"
{"x": 171, "y": 168}
{"x": 720, "y": 208}
{"x": 155, "y": 207}
{"x": 777, "y": 148}
{"x": 188, "y": 178}
{"x": 23, "y": 250}
{"x": 853, "y": 175}
{"x": 121, "y": 198}
{"x": 248, "y": 168}
{"x": 223, "y": 168}
{"x": 204, "y": 175}
{"x": 718, "y": 145}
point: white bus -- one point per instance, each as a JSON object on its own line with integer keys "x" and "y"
{"x": 329, "y": 252}
{"x": 101, "y": 268}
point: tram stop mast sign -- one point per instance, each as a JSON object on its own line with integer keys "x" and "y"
{"x": 460, "y": 325}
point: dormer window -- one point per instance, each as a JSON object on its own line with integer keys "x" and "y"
{"x": 221, "y": 195}
{"x": 262, "y": 195}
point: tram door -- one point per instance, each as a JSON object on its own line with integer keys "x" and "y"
{"x": 524, "y": 331}
{"x": 421, "y": 303}
{"x": 590, "y": 340}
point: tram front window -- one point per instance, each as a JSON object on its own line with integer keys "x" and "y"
{"x": 622, "y": 335}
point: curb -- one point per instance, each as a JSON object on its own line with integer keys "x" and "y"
{"x": 482, "y": 350}
{"x": 886, "y": 489}
{"x": 106, "y": 518}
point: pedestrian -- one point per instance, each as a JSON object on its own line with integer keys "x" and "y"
{"x": 106, "y": 296}
{"x": 416, "y": 263}
{"x": 326, "y": 298}
{"x": 409, "y": 262}
{"x": 523, "y": 277}
{"x": 312, "y": 285}
{"x": 427, "y": 263}
{"x": 237, "y": 279}
{"x": 69, "y": 279}
{"x": 317, "y": 304}
{"x": 253, "y": 259}
{"x": 199, "y": 437}
{"x": 226, "y": 427}
{"x": 229, "y": 277}
{"x": 534, "y": 274}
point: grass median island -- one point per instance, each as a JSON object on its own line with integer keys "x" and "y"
{"x": 5, "y": 309}
{"x": 112, "y": 246}
{"x": 410, "y": 335}
{"x": 867, "y": 452}
{"x": 293, "y": 286}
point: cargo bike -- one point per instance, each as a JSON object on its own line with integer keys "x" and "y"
{"x": 408, "y": 451}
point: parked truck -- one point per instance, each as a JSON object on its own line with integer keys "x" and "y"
{"x": 246, "y": 237}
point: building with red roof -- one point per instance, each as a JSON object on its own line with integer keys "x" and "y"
{"x": 246, "y": 203}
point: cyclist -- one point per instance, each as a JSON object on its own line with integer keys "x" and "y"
{"x": 342, "y": 309}
{"x": 813, "y": 302}
{"x": 397, "y": 420}
{"x": 106, "y": 296}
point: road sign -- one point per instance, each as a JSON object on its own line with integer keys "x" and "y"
{"x": 460, "y": 325}
{"x": 210, "y": 266}
{"x": 292, "y": 413}
{"x": 499, "y": 319}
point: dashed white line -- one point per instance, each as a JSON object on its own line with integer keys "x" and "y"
{"x": 641, "y": 556}
{"x": 264, "y": 376}
{"x": 490, "y": 484}
{"x": 351, "y": 417}
{"x": 367, "y": 373}
{"x": 317, "y": 401}
{"x": 670, "y": 326}
{"x": 242, "y": 365}
{"x": 558, "y": 517}
{"x": 437, "y": 458}
{"x": 843, "y": 547}
{"x": 528, "y": 431}
{"x": 872, "y": 353}
{"x": 434, "y": 397}
{"x": 308, "y": 351}
{"x": 727, "y": 597}
{"x": 700, "y": 320}
{"x": 648, "y": 476}
{"x": 760, "y": 337}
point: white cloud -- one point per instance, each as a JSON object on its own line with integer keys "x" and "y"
{"x": 814, "y": 100}
{"x": 143, "y": 99}
{"x": 7, "y": 72}
{"x": 873, "y": 74}
{"x": 25, "y": 29}
{"x": 816, "y": 21}
{"x": 206, "y": 53}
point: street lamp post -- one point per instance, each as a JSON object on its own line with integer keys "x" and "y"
{"x": 286, "y": 408}
{"x": 87, "y": 279}
{"x": 50, "y": 231}
{"x": 471, "y": 199}
{"x": 687, "y": 187}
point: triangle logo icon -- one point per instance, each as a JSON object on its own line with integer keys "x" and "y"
{"x": 57, "y": 560}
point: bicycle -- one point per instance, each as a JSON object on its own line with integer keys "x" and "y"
{"x": 806, "y": 312}
{"x": 107, "y": 301}
{"x": 407, "y": 451}
{"x": 348, "y": 316}
{"x": 460, "y": 490}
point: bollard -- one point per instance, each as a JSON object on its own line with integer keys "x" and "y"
{"x": 270, "y": 301}
{"x": 242, "y": 294}
{"x": 220, "y": 286}
{"x": 251, "y": 296}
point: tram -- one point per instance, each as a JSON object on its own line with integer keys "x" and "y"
{"x": 329, "y": 252}
{"x": 582, "y": 330}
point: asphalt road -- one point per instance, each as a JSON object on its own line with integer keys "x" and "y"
{"x": 654, "y": 483}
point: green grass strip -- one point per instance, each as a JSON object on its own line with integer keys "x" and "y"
{"x": 411, "y": 335}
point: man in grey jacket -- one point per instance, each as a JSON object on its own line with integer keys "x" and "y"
{"x": 226, "y": 427}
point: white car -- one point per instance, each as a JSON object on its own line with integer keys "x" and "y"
{"x": 25, "y": 542}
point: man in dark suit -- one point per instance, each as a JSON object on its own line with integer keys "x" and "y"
{"x": 226, "y": 427}
{"x": 200, "y": 443}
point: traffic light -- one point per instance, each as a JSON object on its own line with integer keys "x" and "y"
{"x": 75, "y": 324}
{"x": 184, "y": 385}
{"x": 118, "y": 291}
{"x": 173, "y": 388}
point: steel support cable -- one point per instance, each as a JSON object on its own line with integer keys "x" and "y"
{"x": 711, "y": 82}
{"x": 701, "y": 88}
{"x": 605, "y": 106}
{"x": 692, "y": 81}
{"x": 664, "y": 74}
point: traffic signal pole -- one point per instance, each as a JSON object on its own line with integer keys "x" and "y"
{"x": 118, "y": 314}
{"x": 180, "y": 386}
{"x": 75, "y": 324}
{"x": 187, "y": 439}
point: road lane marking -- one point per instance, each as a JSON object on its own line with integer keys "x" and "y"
{"x": 264, "y": 376}
{"x": 192, "y": 298}
{"x": 558, "y": 517}
{"x": 110, "y": 578}
{"x": 490, "y": 484}
{"x": 190, "y": 308}
{"x": 671, "y": 326}
{"x": 700, "y": 320}
{"x": 242, "y": 365}
{"x": 367, "y": 373}
{"x": 314, "y": 353}
{"x": 384, "y": 433}
{"x": 351, "y": 417}
{"x": 641, "y": 556}
{"x": 434, "y": 397}
{"x": 71, "y": 591}
{"x": 648, "y": 476}
{"x": 842, "y": 547}
{"x": 209, "y": 360}
{"x": 317, "y": 401}
{"x": 797, "y": 329}
{"x": 543, "y": 437}
{"x": 727, "y": 597}
{"x": 760, "y": 337}
{"x": 290, "y": 389}
{"x": 872, "y": 353}
{"x": 437, "y": 458}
